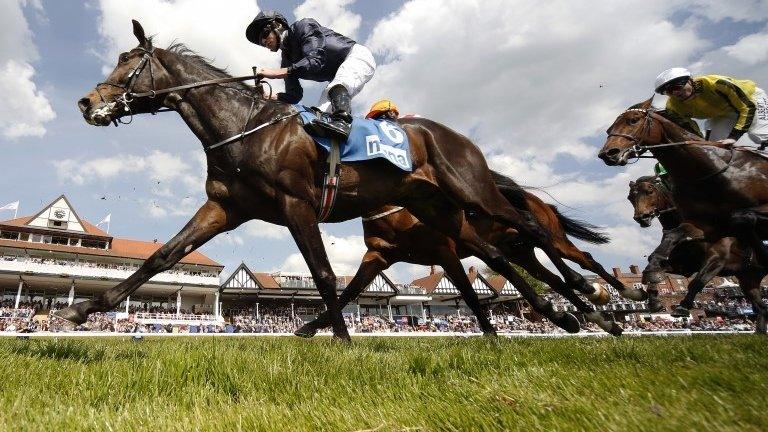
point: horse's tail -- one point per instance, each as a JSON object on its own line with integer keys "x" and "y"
{"x": 516, "y": 196}
{"x": 513, "y": 192}
{"x": 580, "y": 229}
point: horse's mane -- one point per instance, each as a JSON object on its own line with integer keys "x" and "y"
{"x": 205, "y": 64}
{"x": 646, "y": 179}
{"x": 671, "y": 116}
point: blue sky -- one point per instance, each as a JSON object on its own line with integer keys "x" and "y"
{"x": 534, "y": 84}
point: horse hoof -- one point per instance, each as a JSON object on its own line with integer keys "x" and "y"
{"x": 306, "y": 331}
{"x": 681, "y": 312}
{"x": 634, "y": 294}
{"x": 600, "y": 297}
{"x": 73, "y": 314}
{"x": 653, "y": 277}
{"x": 568, "y": 322}
{"x": 342, "y": 339}
{"x": 616, "y": 329}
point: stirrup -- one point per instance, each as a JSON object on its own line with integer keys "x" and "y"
{"x": 332, "y": 129}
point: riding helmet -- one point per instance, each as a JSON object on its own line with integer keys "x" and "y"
{"x": 669, "y": 76}
{"x": 264, "y": 18}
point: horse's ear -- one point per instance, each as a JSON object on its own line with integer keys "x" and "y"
{"x": 647, "y": 104}
{"x": 138, "y": 31}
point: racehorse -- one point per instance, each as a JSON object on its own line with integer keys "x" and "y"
{"x": 727, "y": 257}
{"x": 718, "y": 190}
{"x": 273, "y": 172}
{"x": 394, "y": 235}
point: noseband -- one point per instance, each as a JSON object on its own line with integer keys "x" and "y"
{"x": 128, "y": 94}
{"x": 637, "y": 149}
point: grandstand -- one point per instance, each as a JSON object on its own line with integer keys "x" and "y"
{"x": 55, "y": 258}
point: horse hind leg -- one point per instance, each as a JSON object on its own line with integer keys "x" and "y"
{"x": 750, "y": 285}
{"x": 711, "y": 267}
{"x": 440, "y": 214}
{"x": 211, "y": 219}
{"x": 527, "y": 260}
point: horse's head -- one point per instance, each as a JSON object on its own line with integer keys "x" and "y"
{"x": 633, "y": 127}
{"x": 137, "y": 70}
{"x": 647, "y": 200}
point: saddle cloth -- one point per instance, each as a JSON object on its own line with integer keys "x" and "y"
{"x": 368, "y": 139}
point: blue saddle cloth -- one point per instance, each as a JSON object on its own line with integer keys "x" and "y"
{"x": 368, "y": 139}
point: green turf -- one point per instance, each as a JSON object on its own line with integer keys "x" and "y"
{"x": 629, "y": 384}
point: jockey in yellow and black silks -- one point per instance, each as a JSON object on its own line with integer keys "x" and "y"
{"x": 731, "y": 107}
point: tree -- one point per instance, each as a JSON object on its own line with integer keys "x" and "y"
{"x": 537, "y": 285}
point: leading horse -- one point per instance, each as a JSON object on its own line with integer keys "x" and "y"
{"x": 273, "y": 175}
{"x": 719, "y": 191}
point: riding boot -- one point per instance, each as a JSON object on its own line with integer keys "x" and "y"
{"x": 340, "y": 122}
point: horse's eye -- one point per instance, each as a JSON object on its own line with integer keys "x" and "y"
{"x": 123, "y": 58}
{"x": 633, "y": 121}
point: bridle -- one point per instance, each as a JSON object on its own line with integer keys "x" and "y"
{"x": 657, "y": 184}
{"x": 638, "y": 149}
{"x": 129, "y": 95}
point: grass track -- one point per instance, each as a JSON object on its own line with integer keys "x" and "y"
{"x": 264, "y": 384}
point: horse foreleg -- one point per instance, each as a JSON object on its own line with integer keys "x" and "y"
{"x": 657, "y": 260}
{"x": 301, "y": 220}
{"x": 373, "y": 263}
{"x": 210, "y": 219}
{"x": 713, "y": 264}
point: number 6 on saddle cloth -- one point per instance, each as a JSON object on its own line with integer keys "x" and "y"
{"x": 368, "y": 139}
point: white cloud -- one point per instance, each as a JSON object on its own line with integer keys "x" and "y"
{"x": 212, "y": 30}
{"x": 332, "y": 14}
{"x": 536, "y": 78}
{"x": 344, "y": 253}
{"x": 24, "y": 108}
{"x": 266, "y": 230}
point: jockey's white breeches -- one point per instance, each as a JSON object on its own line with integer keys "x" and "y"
{"x": 356, "y": 70}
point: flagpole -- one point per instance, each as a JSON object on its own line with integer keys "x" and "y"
{"x": 108, "y": 223}
{"x": 16, "y": 211}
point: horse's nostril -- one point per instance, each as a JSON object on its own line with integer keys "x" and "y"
{"x": 83, "y": 104}
{"x": 612, "y": 152}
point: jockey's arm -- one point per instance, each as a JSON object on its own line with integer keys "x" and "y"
{"x": 743, "y": 105}
{"x": 274, "y": 73}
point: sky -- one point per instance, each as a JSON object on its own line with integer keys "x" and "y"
{"x": 534, "y": 84}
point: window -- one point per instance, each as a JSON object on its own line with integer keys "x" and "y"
{"x": 60, "y": 240}
{"x": 92, "y": 244}
{"x": 10, "y": 235}
{"x": 36, "y": 238}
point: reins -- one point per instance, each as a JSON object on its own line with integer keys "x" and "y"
{"x": 129, "y": 95}
{"x": 638, "y": 149}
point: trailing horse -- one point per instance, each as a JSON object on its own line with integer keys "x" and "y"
{"x": 706, "y": 260}
{"x": 273, "y": 173}
{"x": 719, "y": 191}
{"x": 394, "y": 235}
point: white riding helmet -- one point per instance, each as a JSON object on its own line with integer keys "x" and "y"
{"x": 670, "y": 75}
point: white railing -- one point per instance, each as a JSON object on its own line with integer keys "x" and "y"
{"x": 172, "y": 318}
{"x": 59, "y": 267}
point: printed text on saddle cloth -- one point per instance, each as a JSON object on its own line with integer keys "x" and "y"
{"x": 370, "y": 139}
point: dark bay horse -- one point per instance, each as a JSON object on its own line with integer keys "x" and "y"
{"x": 394, "y": 235}
{"x": 726, "y": 257}
{"x": 273, "y": 175}
{"x": 719, "y": 191}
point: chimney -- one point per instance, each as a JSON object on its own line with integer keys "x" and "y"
{"x": 617, "y": 272}
{"x": 431, "y": 270}
{"x": 634, "y": 269}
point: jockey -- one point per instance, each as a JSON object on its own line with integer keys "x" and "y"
{"x": 731, "y": 107}
{"x": 313, "y": 52}
{"x": 383, "y": 110}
